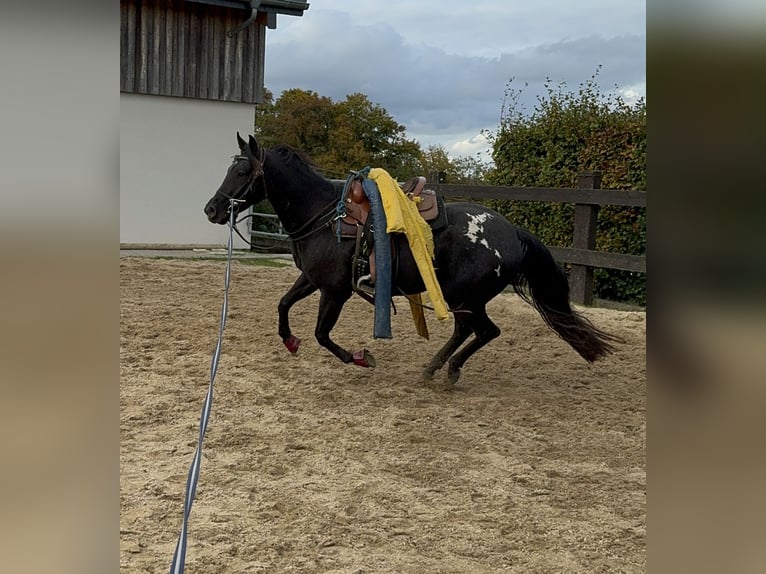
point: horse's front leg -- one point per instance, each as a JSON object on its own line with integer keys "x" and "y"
{"x": 301, "y": 289}
{"x": 330, "y": 307}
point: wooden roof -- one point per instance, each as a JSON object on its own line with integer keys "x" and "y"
{"x": 287, "y": 7}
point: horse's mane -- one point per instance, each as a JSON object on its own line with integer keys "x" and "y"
{"x": 289, "y": 153}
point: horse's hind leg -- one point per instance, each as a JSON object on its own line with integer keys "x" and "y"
{"x": 485, "y": 331}
{"x": 300, "y": 290}
{"x": 460, "y": 333}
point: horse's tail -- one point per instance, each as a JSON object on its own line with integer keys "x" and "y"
{"x": 543, "y": 284}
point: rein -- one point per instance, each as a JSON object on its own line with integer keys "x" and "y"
{"x": 329, "y": 216}
{"x": 326, "y": 217}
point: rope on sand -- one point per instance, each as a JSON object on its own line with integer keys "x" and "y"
{"x": 179, "y": 556}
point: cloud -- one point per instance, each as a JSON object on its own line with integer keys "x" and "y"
{"x": 441, "y": 97}
{"x": 471, "y": 146}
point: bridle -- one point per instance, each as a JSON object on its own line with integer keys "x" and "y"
{"x": 247, "y": 187}
{"x": 324, "y": 218}
{"x": 240, "y": 195}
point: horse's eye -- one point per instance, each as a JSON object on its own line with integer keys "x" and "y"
{"x": 241, "y": 173}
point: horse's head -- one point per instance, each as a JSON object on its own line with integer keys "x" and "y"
{"x": 243, "y": 183}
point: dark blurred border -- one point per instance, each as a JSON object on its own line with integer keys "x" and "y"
{"x": 706, "y": 68}
{"x": 59, "y": 347}
{"x": 59, "y": 241}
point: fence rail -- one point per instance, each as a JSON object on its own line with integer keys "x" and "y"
{"x": 583, "y": 196}
{"x": 587, "y": 197}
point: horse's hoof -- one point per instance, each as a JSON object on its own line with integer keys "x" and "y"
{"x": 453, "y": 375}
{"x": 292, "y": 343}
{"x": 363, "y": 358}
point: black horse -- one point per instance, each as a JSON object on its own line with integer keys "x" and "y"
{"x": 477, "y": 255}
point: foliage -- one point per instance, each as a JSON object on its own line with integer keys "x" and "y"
{"x": 460, "y": 170}
{"x": 299, "y": 118}
{"x": 434, "y": 159}
{"x": 565, "y": 134}
{"x": 352, "y": 134}
{"x": 469, "y": 170}
{"x": 339, "y": 136}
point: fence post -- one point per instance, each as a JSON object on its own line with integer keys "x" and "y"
{"x": 436, "y": 177}
{"x": 585, "y": 218}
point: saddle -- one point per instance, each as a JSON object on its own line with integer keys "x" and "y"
{"x": 430, "y": 206}
{"x": 356, "y": 224}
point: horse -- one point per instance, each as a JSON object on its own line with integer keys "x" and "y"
{"x": 476, "y": 257}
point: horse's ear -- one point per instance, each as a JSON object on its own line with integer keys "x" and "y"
{"x": 253, "y": 145}
{"x": 241, "y": 142}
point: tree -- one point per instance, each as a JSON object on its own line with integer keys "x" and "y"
{"x": 339, "y": 136}
{"x": 469, "y": 170}
{"x": 300, "y": 118}
{"x": 435, "y": 158}
{"x": 352, "y": 134}
{"x": 457, "y": 170}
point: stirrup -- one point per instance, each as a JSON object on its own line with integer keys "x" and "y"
{"x": 363, "y": 284}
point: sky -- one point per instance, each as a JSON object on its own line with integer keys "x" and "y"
{"x": 441, "y": 69}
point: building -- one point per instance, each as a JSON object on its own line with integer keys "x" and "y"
{"x": 191, "y": 72}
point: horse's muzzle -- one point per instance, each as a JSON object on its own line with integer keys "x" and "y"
{"x": 214, "y": 215}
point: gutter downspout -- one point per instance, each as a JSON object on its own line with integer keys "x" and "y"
{"x": 254, "y": 5}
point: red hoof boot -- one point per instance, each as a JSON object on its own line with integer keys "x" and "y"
{"x": 363, "y": 358}
{"x": 292, "y": 343}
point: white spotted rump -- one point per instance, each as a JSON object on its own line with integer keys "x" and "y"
{"x": 475, "y": 233}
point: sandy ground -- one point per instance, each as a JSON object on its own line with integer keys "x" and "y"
{"x": 534, "y": 462}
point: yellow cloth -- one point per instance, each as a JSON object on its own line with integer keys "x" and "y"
{"x": 402, "y": 217}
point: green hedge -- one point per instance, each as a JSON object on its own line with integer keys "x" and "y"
{"x": 568, "y": 133}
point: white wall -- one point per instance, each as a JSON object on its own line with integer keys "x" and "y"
{"x": 174, "y": 153}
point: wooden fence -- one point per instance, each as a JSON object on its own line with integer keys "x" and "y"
{"x": 587, "y": 197}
